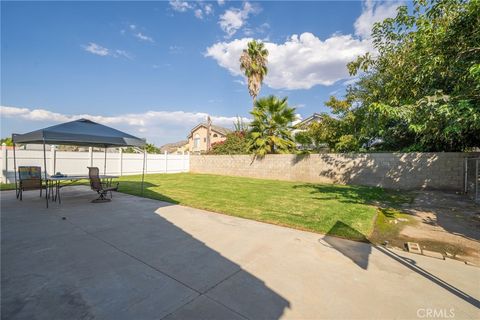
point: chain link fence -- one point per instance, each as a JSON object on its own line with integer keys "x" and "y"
{"x": 472, "y": 178}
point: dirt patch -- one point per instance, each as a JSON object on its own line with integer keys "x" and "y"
{"x": 444, "y": 222}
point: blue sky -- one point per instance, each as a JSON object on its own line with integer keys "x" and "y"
{"x": 155, "y": 69}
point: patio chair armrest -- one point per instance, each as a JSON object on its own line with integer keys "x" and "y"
{"x": 111, "y": 188}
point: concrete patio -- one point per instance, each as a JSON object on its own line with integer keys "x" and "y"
{"x": 135, "y": 258}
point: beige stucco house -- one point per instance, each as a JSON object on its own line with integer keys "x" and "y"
{"x": 175, "y": 147}
{"x": 202, "y": 137}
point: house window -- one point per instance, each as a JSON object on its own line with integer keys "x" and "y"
{"x": 196, "y": 141}
{"x": 215, "y": 135}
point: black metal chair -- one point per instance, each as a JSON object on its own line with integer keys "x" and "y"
{"x": 97, "y": 185}
{"x": 30, "y": 178}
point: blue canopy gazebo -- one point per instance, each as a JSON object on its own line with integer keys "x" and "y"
{"x": 82, "y": 132}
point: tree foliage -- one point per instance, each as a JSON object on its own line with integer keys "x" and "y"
{"x": 151, "y": 148}
{"x": 253, "y": 62}
{"x": 271, "y": 130}
{"x": 234, "y": 143}
{"x": 8, "y": 141}
{"x": 420, "y": 90}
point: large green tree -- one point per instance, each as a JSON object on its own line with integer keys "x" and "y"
{"x": 271, "y": 128}
{"x": 253, "y": 63}
{"x": 420, "y": 89}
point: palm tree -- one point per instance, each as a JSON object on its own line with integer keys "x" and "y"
{"x": 271, "y": 126}
{"x": 253, "y": 63}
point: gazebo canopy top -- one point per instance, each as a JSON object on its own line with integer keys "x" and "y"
{"x": 82, "y": 132}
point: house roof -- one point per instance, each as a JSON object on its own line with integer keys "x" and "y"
{"x": 173, "y": 145}
{"x": 307, "y": 121}
{"x": 218, "y": 129}
{"x": 82, "y": 132}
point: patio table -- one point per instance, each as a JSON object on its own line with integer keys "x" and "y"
{"x": 54, "y": 183}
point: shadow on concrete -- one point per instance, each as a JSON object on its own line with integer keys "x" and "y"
{"x": 359, "y": 253}
{"x": 118, "y": 260}
{"x": 411, "y": 264}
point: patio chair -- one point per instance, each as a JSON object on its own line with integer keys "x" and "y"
{"x": 97, "y": 185}
{"x": 30, "y": 178}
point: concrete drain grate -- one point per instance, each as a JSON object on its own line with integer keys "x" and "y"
{"x": 414, "y": 247}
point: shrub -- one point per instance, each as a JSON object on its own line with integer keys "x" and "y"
{"x": 235, "y": 143}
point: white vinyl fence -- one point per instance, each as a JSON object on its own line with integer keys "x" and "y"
{"x": 76, "y": 163}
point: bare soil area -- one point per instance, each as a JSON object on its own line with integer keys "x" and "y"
{"x": 443, "y": 222}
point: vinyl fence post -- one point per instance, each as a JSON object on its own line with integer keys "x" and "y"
{"x": 53, "y": 159}
{"x": 105, "y": 162}
{"x": 90, "y": 156}
{"x": 477, "y": 177}
{"x": 120, "y": 161}
{"x": 45, "y": 171}
{"x": 4, "y": 163}
{"x": 183, "y": 160}
{"x": 166, "y": 161}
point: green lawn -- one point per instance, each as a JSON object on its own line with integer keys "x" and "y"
{"x": 345, "y": 211}
{"x": 7, "y": 186}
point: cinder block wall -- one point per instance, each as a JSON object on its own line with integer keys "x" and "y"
{"x": 405, "y": 171}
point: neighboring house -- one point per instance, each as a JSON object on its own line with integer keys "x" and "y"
{"x": 304, "y": 124}
{"x": 175, "y": 147}
{"x": 202, "y": 137}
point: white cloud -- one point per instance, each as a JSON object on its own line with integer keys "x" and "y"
{"x": 221, "y": 2}
{"x": 205, "y": 9}
{"x": 262, "y": 29}
{"x": 208, "y": 8}
{"x": 240, "y": 82}
{"x": 198, "y": 13}
{"x": 303, "y": 61}
{"x": 299, "y": 63}
{"x": 122, "y": 53}
{"x": 174, "y": 49}
{"x": 234, "y": 18}
{"x": 96, "y": 49}
{"x": 374, "y": 11}
{"x": 350, "y": 81}
{"x": 132, "y": 27}
{"x": 102, "y": 51}
{"x": 298, "y": 119}
{"x": 200, "y": 9}
{"x": 143, "y": 37}
{"x": 34, "y": 115}
{"x": 157, "y": 126}
{"x": 180, "y": 6}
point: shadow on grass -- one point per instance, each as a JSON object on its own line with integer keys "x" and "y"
{"x": 355, "y": 194}
{"x": 135, "y": 188}
{"x": 359, "y": 253}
